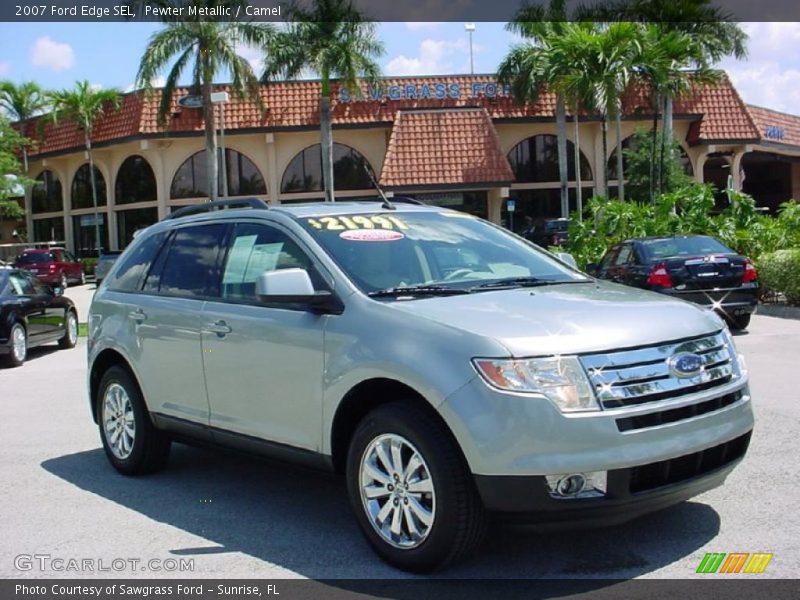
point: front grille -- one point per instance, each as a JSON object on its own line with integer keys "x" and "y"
{"x": 632, "y": 377}
{"x": 655, "y": 475}
{"x": 674, "y": 415}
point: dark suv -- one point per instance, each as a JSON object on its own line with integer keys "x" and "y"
{"x": 54, "y": 266}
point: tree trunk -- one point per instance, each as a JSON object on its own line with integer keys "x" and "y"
{"x": 653, "y": 150}
{"x": 326, "y": 138}
{"x": 666, "y": 150}
{"x": 212, "y": 161}
{"x": 620, "y": 166}
{"x": 578, "y": 183}
{"x": 563, "y": 176}
{"x": 605, "y": 152}
{"x": 93, "y": 180}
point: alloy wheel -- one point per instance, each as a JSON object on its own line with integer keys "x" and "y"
{"x": 19, "y": 343}
{"x": 118, "y": 421}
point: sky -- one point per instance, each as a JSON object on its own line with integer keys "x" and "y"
{"x": 55, "y": 55}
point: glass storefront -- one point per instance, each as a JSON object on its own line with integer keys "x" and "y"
{"x": 48, "y": 230}
{"x": 537, "y": 205}
{"x": 474, "y": 203}
{"x": 82, "y": 188}
{"x": 83, "y": 231}
{"x": 46, "y": 194}
{"x": 130, "y": 221}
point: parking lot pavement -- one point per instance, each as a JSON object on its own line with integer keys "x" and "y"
{"x": 237, "y": 517}
{"x": 81, "y": 295}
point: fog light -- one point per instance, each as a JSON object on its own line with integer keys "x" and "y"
{"x": 577, "y": 485}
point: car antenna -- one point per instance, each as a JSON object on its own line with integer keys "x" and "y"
{"x": 386, "y": 203}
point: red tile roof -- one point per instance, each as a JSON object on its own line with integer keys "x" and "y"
{"x": 776, "y": 127}
{"x": 720, "y": 112}
{"x": 444, "y": 147}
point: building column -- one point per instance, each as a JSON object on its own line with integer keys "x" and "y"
{"x": 494, "y": 201}
{"x": 796, "y": 180}
{"x": 158, "y": 164}
{"x": 699, "y": 165}
{"x": 273, "y": 181}
{"x": 599, "y": 163}
{"x": 736, "y": 165}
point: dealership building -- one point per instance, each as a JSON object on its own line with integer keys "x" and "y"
{"x": 455, "y": 141}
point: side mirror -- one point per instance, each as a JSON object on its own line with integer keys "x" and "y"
{"x": 566, "y": 257}
{"x": 57, "y": 291}
{"x": 293, "y": 286}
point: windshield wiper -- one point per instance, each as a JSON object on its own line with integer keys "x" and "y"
{"x": 512, "y": 282}
{"x": 418, "y": 290}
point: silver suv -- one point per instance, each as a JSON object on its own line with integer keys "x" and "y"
{"x": 447, "y": 368}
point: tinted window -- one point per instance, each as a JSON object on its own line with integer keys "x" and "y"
{"x": 35, "y": 257}
{"x": 191, "y": 179}
{"x": 304, "y": 173}
{"x": 699, "y": 245}
{"x": 82, "y": 188}
{"x": 190, "y": 265}
{"x": 255, "y": 249}
{"x": 624, "y": 256}
{"x": 133, "y": 267}
{"x": 21, "y": 286}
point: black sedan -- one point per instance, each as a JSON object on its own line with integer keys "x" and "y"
{"x": 696, "y": 268}
{"x": 31, "y": 314}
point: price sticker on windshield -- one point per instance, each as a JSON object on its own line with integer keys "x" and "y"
{"x": 357, "y": 222}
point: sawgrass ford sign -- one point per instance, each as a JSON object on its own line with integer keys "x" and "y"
{"x": 432, "y": 90}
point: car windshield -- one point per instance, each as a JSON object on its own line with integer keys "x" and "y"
{"x": 699, "y": 245}
{"x": 432, "y": 251}
{"x": 34, "y": 257}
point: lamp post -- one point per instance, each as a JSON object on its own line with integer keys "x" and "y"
{"x": 221, "y": 98}
{"x": 470, "y": 28}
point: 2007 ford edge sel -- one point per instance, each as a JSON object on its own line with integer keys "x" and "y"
{"x": 446, "y": 367}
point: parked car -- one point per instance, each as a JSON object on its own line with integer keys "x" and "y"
{"x": 549, "y": 232}
{"x": 445, "y": 367}
{"x": 54, "y": 266}
{"x": 697, "y": 268}
{"x": 104, "y": 264}
{"x": 31, "y": 314}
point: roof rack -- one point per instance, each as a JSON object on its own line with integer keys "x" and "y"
{"x": 197, "y": 209}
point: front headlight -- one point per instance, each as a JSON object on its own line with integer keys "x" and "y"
{"x": 559, "y": 378}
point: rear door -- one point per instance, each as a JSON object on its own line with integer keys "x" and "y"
{"x": 31, "y": 306}
{"x": 263, "y": 363}
{"x": 167, "y": 319}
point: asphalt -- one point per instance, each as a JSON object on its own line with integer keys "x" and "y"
{"x": 238, "y": 517}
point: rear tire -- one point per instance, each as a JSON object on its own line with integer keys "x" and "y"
{"x": 83, "y": 278}
{"x": 18, "y": 351}
{"x": 436, "y": 528}
{"x": 739, "y": 323}
{"x": 131, "y": 442}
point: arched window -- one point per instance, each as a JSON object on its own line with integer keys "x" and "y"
{"x": 304, "y": 173}
{"x": 191, "y": 179}
{"x": 135, "y": 181}
{"x": 626, "y": 145}
{"x": 535, "y": 160}
{"x": 82, "y": 188}
{"x": 46, "y": 195}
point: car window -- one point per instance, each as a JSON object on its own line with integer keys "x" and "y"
{"x": 70, "y": 257}
{"x": 255, "y": 249}
{"x": 39, "y": 288}
{"x": 58, "y": 255}
{"x": 21, "y": 286}
{"x": 610, "y": 257}
{"x": 191, "y": 262}
{"x": 128, "y": 277}
{"x": 624, "y": 256}
{"x": 30, "y": 258}
{"x": 699, "y": 245}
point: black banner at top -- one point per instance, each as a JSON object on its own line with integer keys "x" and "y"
{"x": 392, "y": 10}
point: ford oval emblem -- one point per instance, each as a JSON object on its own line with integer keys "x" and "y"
{"x": 685, "y": 364}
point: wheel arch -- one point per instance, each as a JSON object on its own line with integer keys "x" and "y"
{"x": 364, "y": 397}
{"x": 103, "y": 362}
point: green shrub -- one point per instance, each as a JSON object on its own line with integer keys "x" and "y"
{"x": 780, "y": 272}
{"x": 89, "y": 265}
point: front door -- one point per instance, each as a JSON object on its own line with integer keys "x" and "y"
{"x": 263, "y": 363}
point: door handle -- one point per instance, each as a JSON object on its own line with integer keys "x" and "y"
{"x": 138, "y": 315}
{"x": 221, "y": 328}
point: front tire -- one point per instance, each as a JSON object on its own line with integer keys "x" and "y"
{"x": 19, "y": 346}
{"x": 70, "y": 332}
{"x": 739, "y": 323}
{"x": 131, "y": 442}
{"x": 411, "y": 490}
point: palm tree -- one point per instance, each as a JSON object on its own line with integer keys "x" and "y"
{"x": 23, "y": 102}
{"x": 335, "y": 41}
{"x": 84, "y": 105}
{"x": 211, "y": 48}
{"x": 531, "y": 66}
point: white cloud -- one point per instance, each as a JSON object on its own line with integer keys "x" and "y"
{"x": 158, "y": 82}
{"x": 769, "y": 76}
{"x": 252, "y": 55}
{"x": 418, "y": 25}
{"x": 53, "y": 55}
{"x": 5, "y": 67}
{"x": 436, "y": 57}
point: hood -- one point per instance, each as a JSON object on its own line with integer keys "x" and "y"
{"x": 567, "y": 319}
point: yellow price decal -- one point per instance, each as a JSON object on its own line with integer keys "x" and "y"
{"x": 354, "y": 222}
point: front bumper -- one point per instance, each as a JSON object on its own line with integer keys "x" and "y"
{"x": 631, "y": 492}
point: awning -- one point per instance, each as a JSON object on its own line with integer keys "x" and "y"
{"x": 456, "y": 148}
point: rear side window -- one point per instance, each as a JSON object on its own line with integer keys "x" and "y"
{"x": 190, "y": 267}
{"x": 34, "y": 257}
{"x": 128, "y": 277}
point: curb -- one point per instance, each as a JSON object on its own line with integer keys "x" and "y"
{"x": 778, "y": 310}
